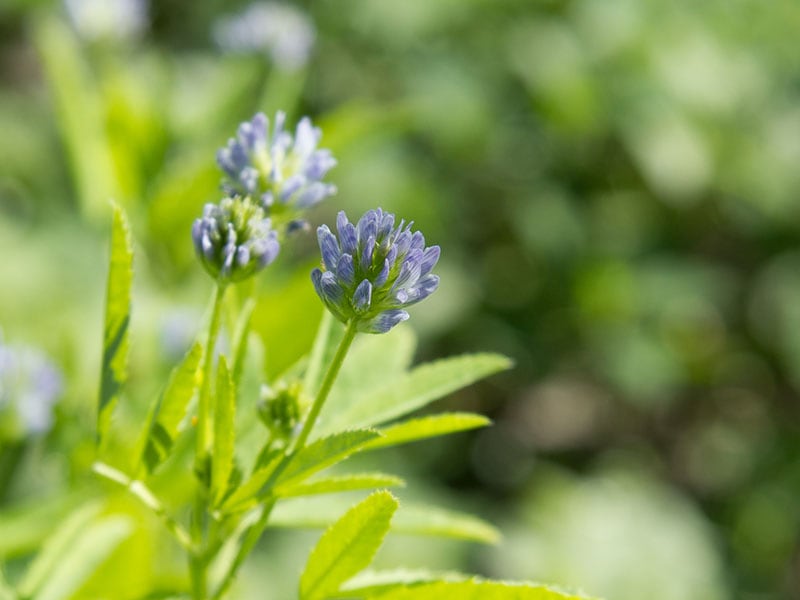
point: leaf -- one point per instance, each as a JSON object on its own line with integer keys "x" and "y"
{"x": 224, "y": 430}
{"x": 341, "y": 483}
{"x": 248, "y": 492}
{"x": 420, "y": 386}
{"x": 24, "y": 526}
{"x": 423, "y": 519}
{"x": 427, "y": 427}
{"x": 347, "y": 546}
{"x": 326, "y": 452}
{"x": 475, "y": 589}
{"x": 368, "y": 583}
{"x": 411, "y": 519}
{"x": 117, "y": 319}
{"x": 73, "y": 553}
{"x": 161, "y": 430}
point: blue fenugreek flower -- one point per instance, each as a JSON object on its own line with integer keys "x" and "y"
{"x": 30, "y": 385}
{"x": 374, "y": 270}
{"x": 279, "y": 170}
{"x": 234, "y": 239}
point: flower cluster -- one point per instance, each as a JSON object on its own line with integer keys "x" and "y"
{"x": 374, "y": 270}
{"x": 234, "y": 239}
{"x": 281, "y": 31}
{"x": 280, "y": 170}
{"x": 29, "y": 387}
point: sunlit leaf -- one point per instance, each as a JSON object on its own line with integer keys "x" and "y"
{"x": 422, "y": 385}
{"x": 474, "y": 589}
{"x": 224, "y": 429}
{"x": 117, "y": 319}
{"x": 73, "y": 553}
{"x": 165, "y": 417}
{"x": 427, "y": 427}
{"x": 347, "y": 546}
{"x": 326, "y": 452}
{"x": 341, "y": 483}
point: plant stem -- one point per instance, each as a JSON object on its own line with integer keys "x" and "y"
{"x": 204, "y": 404}
{"x": 143, "y": 493}
{"x": 257, "y": 529}
{"x": 198, "y": 561}
{"x": 327, "y": 383}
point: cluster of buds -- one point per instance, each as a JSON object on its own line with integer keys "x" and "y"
{"x": 374, "y": 270}
{"x": 281, "y": 408}
{"x": 271, "y": 178}
{"x": 30, "y": 385}
{"x": 234, "y": 239}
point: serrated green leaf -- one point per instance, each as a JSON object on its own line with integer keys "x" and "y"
{"x": 423, "y": 519}
{"x": 341, "y": 483}
{"x": 420, "y": 386}
{"x": 347, "y": 546}
{"x": 427, "y": 427}
{"x": 411, "y": 519}
{"x": 474, "y": 589}
{"x": 368, "y": 583}
{"x": 161, "y": 430}
{"x": 326, "y": 452}
{"x": 224, "y": 430}
{"x": 115, "y": 331}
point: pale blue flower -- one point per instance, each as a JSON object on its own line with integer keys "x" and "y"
{"x": 374, "y": 270}
{"x": 283, "y": 172}
{"x": 30, "y": 385}
{"x": 281, "y": 31}
{"x": 234, "y": 239}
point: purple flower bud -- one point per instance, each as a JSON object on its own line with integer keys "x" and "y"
{"x": 374, "y": 270}
{"x": 234, "y": 239}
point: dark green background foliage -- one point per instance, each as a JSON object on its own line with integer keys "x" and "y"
{"x": 614, "y": 185}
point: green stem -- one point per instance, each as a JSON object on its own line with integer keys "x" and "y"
{"x": 257, "y": 529}
{"x": 198, "y": 561}
{"x": 327, "y": 383}
{"x": 204, "y": 405}
{"x": 143, "y": 493}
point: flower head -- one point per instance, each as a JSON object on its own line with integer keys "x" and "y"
{"x": 29, "y": 387}
{"x": 234, "y": 239}
{"x": 279, "y": 170}
{"x": 281, "y": 31}
{"x": 374, "y": 270}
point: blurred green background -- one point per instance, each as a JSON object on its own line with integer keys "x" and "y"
{"x": 614, "y": 185}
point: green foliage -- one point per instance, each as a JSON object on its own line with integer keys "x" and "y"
{"x": 347, "y": 546}
{"x": 72, "y": 554}
{"x": 340, "y": 483}
{"x": 165, "y": 416}
{"x": 117, "y": 320}
{"x": 427, "y": 427}
{"x": 474, "y": 589}
{"x": 411, "y": 391}
{"x": 224, "y": 430}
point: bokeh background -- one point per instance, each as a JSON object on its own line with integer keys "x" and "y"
{"x": 615, "y": 187}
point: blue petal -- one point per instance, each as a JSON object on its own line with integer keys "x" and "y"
{"x": 347, "y": 234}
{"x": 242, "y": 256}
{"x": 386, "y": 320}
{"x": 368, "y": 226}
{"x": 329, "y": 247}
{"x": 429, "y": 259}
{"x": 362, "y": 296}
{"x": 367, "y": 252}
{"x": 424, "y": 288}
{"x": 409, "y": 272}
{"x": 345, "y": 270}
{"x": 384, "y": 274}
